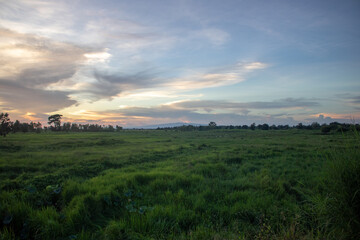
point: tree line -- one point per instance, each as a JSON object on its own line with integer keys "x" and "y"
{"x": 7, "y": 126}
{"x": 54, "y": 121}
{"x": 324, "y": 128}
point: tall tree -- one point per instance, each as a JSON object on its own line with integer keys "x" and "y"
{"x": 56, "y": 120}
{"x": 5, "y": 124}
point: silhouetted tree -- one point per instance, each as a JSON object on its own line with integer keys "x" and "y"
{"x": 212, "y": 124}
{"x": 56, "y": 120}
{"x": 265, "y": 127}
{"x": 273, "y": 127}
{"x": 84, "y": 127}
{"x": 252, "y": 126}
{"x": 38, "y": 127}
{"x": 31, "y": 126}
{"x": 315, "y": 125}
{"x": 5, "y": 124}
{"x": 202, "y": 128}
{"x": 16, "y": 126}
{"x": 325, "y": 128}
{"x": 334, "y": 125}
{"x": 344, "y": 127}
{"x": 24, "y": 127}
{"x": 66, "y": 126}
{"x": 110, "y": 128}
{"x": 74, "y": 127}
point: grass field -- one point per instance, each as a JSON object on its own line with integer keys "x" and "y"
{"x": 156, "y": 184}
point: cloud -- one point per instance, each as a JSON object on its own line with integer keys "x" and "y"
{"x": 192, "y": 111}
{"x": 204, "y": 111}
{"x": 40, "y": 63}
{"x": 108, "y": 85}
{"x": 45, "y": 18}
{"x": 165, "y": 114}
{"x": 350, "y": 99}
{"x": 333, "y": 117}
{"x": 29, "y": 64}
{"x": 96, "y": 84}
{"x": 216, "y": 77}
{"x": 195, "y": 80}
{"x": 210, "y": 105}
{"x": 23, "y": 99}
{"x": 35, "y": 60}
{"x": 355, "y": 100}
{"x": 127, "y": 36}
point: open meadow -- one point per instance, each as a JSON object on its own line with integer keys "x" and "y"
{"x": 157, "y": 184}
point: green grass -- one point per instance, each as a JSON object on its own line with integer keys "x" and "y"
{"x": 220, "y": 184}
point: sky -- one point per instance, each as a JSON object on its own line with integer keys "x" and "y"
{"x": 146, "y": 62}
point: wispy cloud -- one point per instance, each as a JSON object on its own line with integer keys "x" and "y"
{"x": 217, "y": 77}
{"x": 109, "y": 84}
{"x": 126, "y": 35}
{"x": 45, "y": 18}
{"x": 355, "y": 100}
{"x": 102, "y": 85}
{"x": 211, "y": 105}
{"x": 205, "y": 111}
{"x": 349, "y": 99}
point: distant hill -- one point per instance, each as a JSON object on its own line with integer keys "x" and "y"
{"x": 168, "y": 125}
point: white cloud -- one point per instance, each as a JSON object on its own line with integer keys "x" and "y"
{"x": 254, "y": 65}
{"x": 98, "y": 57}
{"x": 215, "y": 78}
{"x": 22, "y": 53}
{"x": 45, "y": 18}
